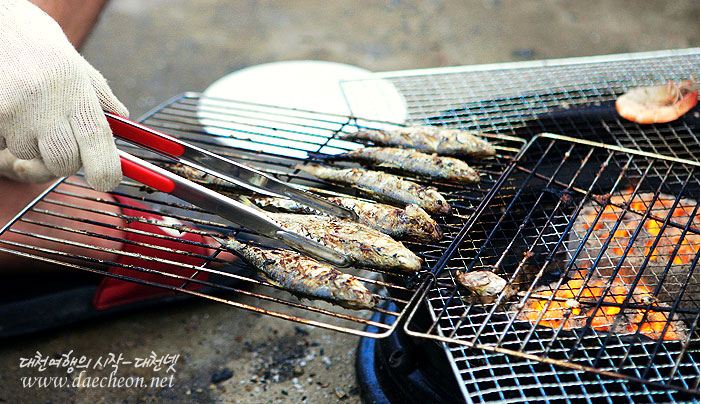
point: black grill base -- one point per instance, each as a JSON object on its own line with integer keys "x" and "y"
{"x": 398, "y": 369}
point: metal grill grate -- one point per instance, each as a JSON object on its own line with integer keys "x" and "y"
{"x": 573, "y": 97}
{"x": 601, "y": 245}
{"x": 271, "y": 138}
{"x": 512, "y": 98}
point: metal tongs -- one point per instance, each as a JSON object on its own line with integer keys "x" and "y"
{"x": 214, "y": 202}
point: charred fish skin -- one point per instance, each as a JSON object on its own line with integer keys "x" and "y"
{"x": 385, "y": 186}
{"x": 416, "y": 162}
{"x": 284, "y": 204}
{"x": 428, "y": 139}
{"x": 362, "y": 245}
{"x": 419, "y": 225}
{"x": 306, "y": 276}
{"x": 200, "y": 177}
{"x": 411, "y": 223}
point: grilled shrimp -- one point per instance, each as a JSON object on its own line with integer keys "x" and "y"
{"x": 658, "y": 104}
{"x": 411, "y": 223}
{"x": 415, "y": 162}
{"x": 428, "y": 139}
{"x": 305, "y": 276}
{"x": 361, "y": 244}
{"x": 385, "y": 186}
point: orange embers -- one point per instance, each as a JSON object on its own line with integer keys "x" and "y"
{"x": 642, "y": 245}
{"x": 574, "y": 302}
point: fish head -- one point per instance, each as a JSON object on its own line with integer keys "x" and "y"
{"x": 353, "y": 294}
{"x": 408, "y": 261}
{"x": 421, "y": 221}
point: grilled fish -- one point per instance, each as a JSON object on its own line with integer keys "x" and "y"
{"x": 428, "y": 139}
{"x": 484, "y": 286}
{"x": 385, "y": 186}
{"x": 199, "y": 177}
{"x": 361, "y": 244}
{"x": 411, "y": 223}
{"x": 414, "y": 162}
{"x": 303, "y": 275}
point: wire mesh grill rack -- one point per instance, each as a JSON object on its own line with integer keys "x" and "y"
{"x": 517, "y": 98}
{"x": 600, "y": 247}
{"x": 70, "y": 225}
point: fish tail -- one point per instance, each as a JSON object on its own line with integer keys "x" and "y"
{"x": 311, "y": 169}
{"x": 326, "y": 157}
{"x": 235, "y": 245}
{"x": 247, "y": 201}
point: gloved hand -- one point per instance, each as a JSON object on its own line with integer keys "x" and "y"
{"x": 23, "y": 170}
{"x": 51, "y": 100}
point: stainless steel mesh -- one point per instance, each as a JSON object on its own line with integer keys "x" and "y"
{"x": 508, "y": 98}
{"x": 272, "y": 139}
{"x": 573, "y": 97}
{"x": 601, "y": 248}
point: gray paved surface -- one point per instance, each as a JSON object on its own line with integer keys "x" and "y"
{"x": 151, "y": 50}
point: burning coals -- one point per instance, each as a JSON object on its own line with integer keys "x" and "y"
{"x": 630, "y": 273}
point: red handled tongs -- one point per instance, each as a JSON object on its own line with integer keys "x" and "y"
{"x": 228, "y": 170}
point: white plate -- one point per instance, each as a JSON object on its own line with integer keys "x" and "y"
{"x": 306, "y": 85}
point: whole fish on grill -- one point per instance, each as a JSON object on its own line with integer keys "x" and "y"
{"x": 384, "y": 186}
{"x": 305, "y": 276}
{"x": 411, "y": 223}
{"x": 362, "y": 245}
{"x": 414, "y": 162}
{"x": 428, "y": 139}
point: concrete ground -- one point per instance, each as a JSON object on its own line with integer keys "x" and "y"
{"x": 151, "y": 50}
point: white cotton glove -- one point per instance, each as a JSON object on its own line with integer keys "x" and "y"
{"x": 51, "y": 100}
{"x": 23, "y": 170}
